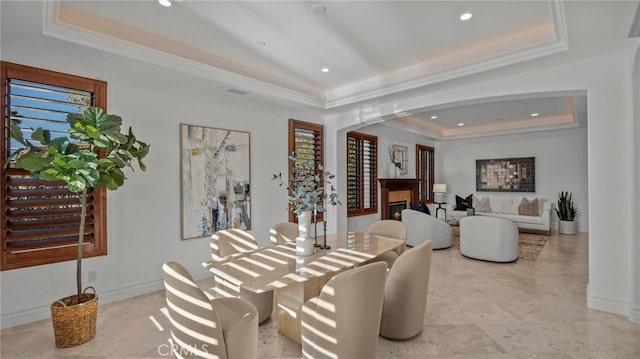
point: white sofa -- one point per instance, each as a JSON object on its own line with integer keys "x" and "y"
{"x": 507, "y": 207}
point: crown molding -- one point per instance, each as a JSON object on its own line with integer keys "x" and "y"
{"x": 51, "y": 26}
{"x": 557, "y": 45}
{"x": 349, "y": 95}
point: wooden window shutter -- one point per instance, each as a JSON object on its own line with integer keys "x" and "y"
{"x": 306, "y": 140}
{"x": 41, "y": 219}
{"x": 362, "y": 174}
{"x": 425, "y": 171}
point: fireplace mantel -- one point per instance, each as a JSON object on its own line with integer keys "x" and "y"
{"x": 397, "y": 184}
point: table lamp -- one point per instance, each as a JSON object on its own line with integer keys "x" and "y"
{"x": 439, "y": 189}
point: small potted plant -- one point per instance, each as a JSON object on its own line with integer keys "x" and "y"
{"x": 567, "y": 213}
{"x": 94, "y": 158}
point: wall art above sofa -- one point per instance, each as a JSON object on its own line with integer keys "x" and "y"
{"x": 506, "y": 175}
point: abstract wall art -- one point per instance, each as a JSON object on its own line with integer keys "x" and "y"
{"x": 506, "y": 175}
{"x": 215, "y": 180}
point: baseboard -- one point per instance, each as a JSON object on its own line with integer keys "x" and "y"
{"x": 605, "y": 304}
{"x": 8, "y": 320}
{"x": 634, "y": 315}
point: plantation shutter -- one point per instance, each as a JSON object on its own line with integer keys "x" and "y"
{"x": 41, "y": 219}
{"x": 425, "y": 171}
{"x": 362, "y": 174}
{"x": 307, "y": 142}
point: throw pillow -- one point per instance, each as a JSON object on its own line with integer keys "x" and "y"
{"x": 482, "y": 205}
{"x": 422, "y": 208}
{"x": 528, "y": 207}
{"x": 508, "y": 207}
{"x": 463, "y": 203}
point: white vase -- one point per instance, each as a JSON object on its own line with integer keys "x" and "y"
{"x": 304, "y": 242}
{"x": 566, "y": 227}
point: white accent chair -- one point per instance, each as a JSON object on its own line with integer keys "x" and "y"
{"x": 392, "y": 229}
{"x": 405, "y": 298}
{"x": 489, "y": 238}
{"x": 283, "y": 232}
{"x": 422, "y": 227}
{"x": 343, "y": 321}
{"x": 202, "y": 327}
{"x": 231, "y": 241}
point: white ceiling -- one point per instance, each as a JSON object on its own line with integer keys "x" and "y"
{"x": 372, "y": 48}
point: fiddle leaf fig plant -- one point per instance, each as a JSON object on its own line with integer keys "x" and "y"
{"x": 94, "y": 158}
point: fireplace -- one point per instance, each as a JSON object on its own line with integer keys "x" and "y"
{"x": 395, "y": 209}
{"x": 397, "y": 190}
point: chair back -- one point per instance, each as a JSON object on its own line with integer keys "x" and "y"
{"x": 389, "y": 228}
{"x": 406, "y": 293}
{"x": 231, "y": 241}
{"x": 344, "y": 320}
{"x": 283, "y": 232}
{"x": 195, "y": 326}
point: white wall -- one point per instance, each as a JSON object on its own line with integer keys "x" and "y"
{"x": 610, "y": 158}
{"x": 634, "y": 253}
{"x": 144, "y": 215}
{"x": 560, "y": 162}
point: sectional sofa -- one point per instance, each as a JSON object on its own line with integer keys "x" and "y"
{"x": 532, "y": 215}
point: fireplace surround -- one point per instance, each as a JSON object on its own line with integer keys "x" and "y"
{"x": 395, "y": 190}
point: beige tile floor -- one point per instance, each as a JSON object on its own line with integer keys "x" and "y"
{"x": 475, "y": 309}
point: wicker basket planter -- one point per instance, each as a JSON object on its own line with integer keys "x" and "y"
{"x": 73, "y": 323}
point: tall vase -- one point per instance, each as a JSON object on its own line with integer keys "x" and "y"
{"x": 304, "y": 242}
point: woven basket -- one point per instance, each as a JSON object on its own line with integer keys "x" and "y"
{"x": 73, "y": 323}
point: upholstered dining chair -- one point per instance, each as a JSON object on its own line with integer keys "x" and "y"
{"x": 389, "y": 228}
{"x": 231, "y": 241}
{"x": 422, "y": 227}
{"x": 283, "y": 232}
{"x": 405, "y": 298}
{"x": 207, "y": 328}
{"x": 343, "y": 321}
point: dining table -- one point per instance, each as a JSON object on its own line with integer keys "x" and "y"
{"x": 296, "y": 278}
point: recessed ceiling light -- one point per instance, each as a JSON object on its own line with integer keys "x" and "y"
{"x": 535, "y": 114}
{"x": 166, "y": 3}
{"x": 434, "y": 117}
{"x": 460, "y": 124}
{"x": 318, "y": 9}
{"x": 466, "y": 16}
{"x": 325, "y": 69}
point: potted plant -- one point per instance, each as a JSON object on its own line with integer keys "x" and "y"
{"x": 94, "y": 159}
{"x": 566, "y": 213}
{"x": 306, "y": 192}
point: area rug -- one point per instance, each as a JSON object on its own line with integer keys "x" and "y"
{"x": 529, "y": 245}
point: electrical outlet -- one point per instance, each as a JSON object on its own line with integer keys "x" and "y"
{"x": 93, "y": 276}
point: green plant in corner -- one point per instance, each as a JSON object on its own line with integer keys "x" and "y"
{"x": 566, "y": 211}
{"x": 95, "y": 159}
{"x": 306, "y": 190}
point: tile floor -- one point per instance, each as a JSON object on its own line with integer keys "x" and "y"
{"x": 475, "y": 309}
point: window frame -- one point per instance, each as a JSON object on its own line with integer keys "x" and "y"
{"x": 373, "y": 198}
{"x": 426, "y": 185}
{"x": 319, "y": 154}
{"x": 58, "y": 251}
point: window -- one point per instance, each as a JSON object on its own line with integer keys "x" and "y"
{"x": 424, "y": 171}
{"x": 306, "y": 140}
{"x": 40, "y": 219}
{"x": 362, "y": 174}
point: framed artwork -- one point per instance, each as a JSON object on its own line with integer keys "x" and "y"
{"x": 506, "y": 175}
{"x": 214, "y": 180}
